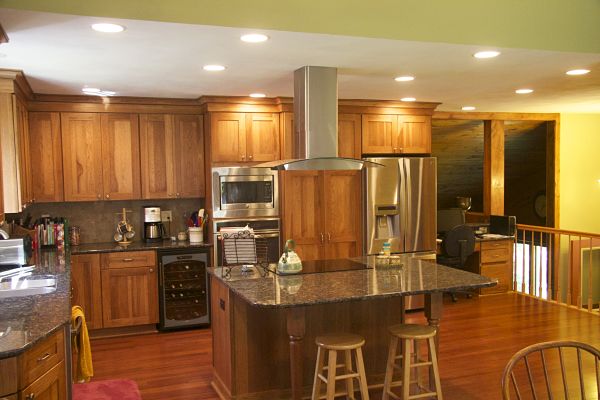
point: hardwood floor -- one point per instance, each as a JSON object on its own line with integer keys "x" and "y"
{"x": 477, "y": 338}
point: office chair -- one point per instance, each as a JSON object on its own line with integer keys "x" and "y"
{"x": 458, "y": 244}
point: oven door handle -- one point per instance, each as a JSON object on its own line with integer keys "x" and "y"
{"x": 266, "y": 235}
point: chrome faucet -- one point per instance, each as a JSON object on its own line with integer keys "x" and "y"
{"x": 4, "y": 234}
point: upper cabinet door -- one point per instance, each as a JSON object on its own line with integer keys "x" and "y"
{"x": 82, "y": 157}
{"x": 121, "y": 156}
{"x": 189, "y": 156}
{"x": 379, "y": 134}
{"x": 45, "y": 149}
{"x": 302, "y": 212}
{"x": 228, "y": 137}
{"x": 156, "y": 144}
{"x": 415, "y": 134}
{"x": 349, "y": 134}
{"x": 342, "y": 214}
{"x": 262, "y": 137}
{"x": 21, "y": 116}
{"x": 286, "y": 128}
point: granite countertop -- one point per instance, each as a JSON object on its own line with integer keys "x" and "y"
{"x": 415, "y": 276}
{"x": 26, "y": 320}
{"x": 110, "y": 247}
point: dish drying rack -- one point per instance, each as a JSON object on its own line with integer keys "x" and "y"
{"x": 242, "y": 248}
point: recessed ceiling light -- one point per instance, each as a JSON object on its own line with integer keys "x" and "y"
{"x": 578, "y": 72}
{"x": 406, "y": 78}
{"x": 524, "y": 91}
{"x": 90, "y": 90}
{"x": 108, "y": 28}
{"x": 468, "y": 108}
{"x": 486, "y": 54}
{"x": 214, "y": 67}
{"x": 258, "y": 95}
{"x": 408, "y": 99}
{"x": 254, "y": 38}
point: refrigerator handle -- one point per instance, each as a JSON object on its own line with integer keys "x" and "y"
{"x": 403, "y": 199}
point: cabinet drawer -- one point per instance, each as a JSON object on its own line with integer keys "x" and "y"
{"x": 129, "y": 259}
{"x": 496, "y": 244}
{"x": 51, "y": 385}
{"x": 495, "y": 255}
{"x": 501, "y": 272}
{"x": 41, "y": 358}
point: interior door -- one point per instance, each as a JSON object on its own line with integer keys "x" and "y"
{"x": 342, "y": 209}
{"x": 303, "y": 212}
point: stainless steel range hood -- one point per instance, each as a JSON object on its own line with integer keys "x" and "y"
{"x": 315, "y": 116}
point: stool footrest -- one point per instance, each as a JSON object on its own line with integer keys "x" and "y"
{"x": 421, "y": 364}
{"x": 422, "y": 395}
{"x": 339, "y": 377}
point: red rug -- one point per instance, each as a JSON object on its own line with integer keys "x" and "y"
{"x": 115, "y": 389}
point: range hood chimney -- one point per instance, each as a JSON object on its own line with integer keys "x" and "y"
{"x": 315, "y": 118}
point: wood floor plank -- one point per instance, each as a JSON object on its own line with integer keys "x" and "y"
{"x": 477, "y": 338}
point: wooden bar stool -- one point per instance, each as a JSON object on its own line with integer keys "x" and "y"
{"x": 333, "y": 343}
{"x": 408, "y": 333}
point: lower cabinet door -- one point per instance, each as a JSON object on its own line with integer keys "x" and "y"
{"x": 129, "y": 296}
{"x": 50, "y": 386}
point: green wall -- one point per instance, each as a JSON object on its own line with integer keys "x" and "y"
{"x": 532, "y": 24}
{"x": 580, "y": 172}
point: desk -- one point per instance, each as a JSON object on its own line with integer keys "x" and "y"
{"x": 492, "y": 258}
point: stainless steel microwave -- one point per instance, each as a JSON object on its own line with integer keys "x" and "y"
{"x": 240, "y": 192}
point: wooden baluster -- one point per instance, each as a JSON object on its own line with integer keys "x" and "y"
{"x": 557, "y": 273}
{"x": 590, "y": 269}
{"x": 569, "y": 266}
{"x": 532, "y": 266}
{"x": 514, "y": 268}
{"x": 551, "y": 282}
{"x": 523, "y": 263}
{"x": 541, "y": 266}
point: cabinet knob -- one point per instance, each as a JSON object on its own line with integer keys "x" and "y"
{"x": 30, "y": 396}
{"x": 151, "y": 269}
{"x": 99, "y": 196}
{"x": 177, "y": 194}
{"x": 395, "y": 149}
{"x": 328, "y": 237}
{"x": 243, "y": 158}
{"x": 250, "y": 157}
{"x": 322, "y": 239}
{"x": 108, "y": 196}
{"x": 33, "y": 200}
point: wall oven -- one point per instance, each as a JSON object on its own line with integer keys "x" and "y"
{"x": 240, "y": 192}
{"x": 183, "y": 287}
{"x": 267, "y": 229}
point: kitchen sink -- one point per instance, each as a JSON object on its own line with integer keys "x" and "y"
{"x": 20, "y": 282}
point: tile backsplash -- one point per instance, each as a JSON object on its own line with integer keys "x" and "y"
{"x": 98, "y": 220}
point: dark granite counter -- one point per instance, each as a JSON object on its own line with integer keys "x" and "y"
{"x": 414, "y": 276}
{"x": 110, "y": 247}
{"x": 26, "y": 320}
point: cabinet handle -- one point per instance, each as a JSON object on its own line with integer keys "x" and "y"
{"x": 43, "y": 358}
{"x": 127, "y": 259}
{"x": 30, "y": 396}
{"x": 328, "y": 237}
{"x": 322, "y": 239}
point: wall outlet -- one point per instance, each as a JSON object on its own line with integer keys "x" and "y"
{"x": 166, "y": 216}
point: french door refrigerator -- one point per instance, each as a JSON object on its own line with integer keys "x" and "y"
{"x": 401, "y": 204}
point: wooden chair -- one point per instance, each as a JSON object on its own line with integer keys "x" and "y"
{"x": 408, "y": 333}
{"x": 346, "y": 343}
{"x": 543, "y": 370}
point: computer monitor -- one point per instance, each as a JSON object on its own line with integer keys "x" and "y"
{"x": 449, "y": 218}
{"x": 502, "y": 225}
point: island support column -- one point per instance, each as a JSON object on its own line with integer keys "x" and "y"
{"x": 296, "y": 328}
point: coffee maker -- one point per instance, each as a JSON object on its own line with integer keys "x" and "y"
{"x": 154, "y": 230}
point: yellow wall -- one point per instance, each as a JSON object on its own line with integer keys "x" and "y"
{"x": 580, "y": 172}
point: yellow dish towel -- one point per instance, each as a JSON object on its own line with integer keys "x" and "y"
{"x": 81, "y": 344}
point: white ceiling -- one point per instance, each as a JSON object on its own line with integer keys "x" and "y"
{"x": 61, "y": 54}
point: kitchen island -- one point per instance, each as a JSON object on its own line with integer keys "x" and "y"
{"x": 264, "y": 324}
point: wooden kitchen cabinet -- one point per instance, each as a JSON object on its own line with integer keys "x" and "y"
{"x": 349, "y": 135}
{"x": 396, "y": 134}
{"x": 244, "y": 137}
{"x": 189, "y": 156}
{"x": 38, "y": 373}
{"x": 120, "y": 157}
{"x": 82, "y": 156}
{"x": 129, "y": 289}
{"x": 172, "y": 156}
{"x": 22, "y": 124}
{"x": 86, "y": 288}
{"x": 321, "y": 212}
{"x": 46, "y": 161}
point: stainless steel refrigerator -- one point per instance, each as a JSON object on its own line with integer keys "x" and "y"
{"x": 401, "y": 204}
